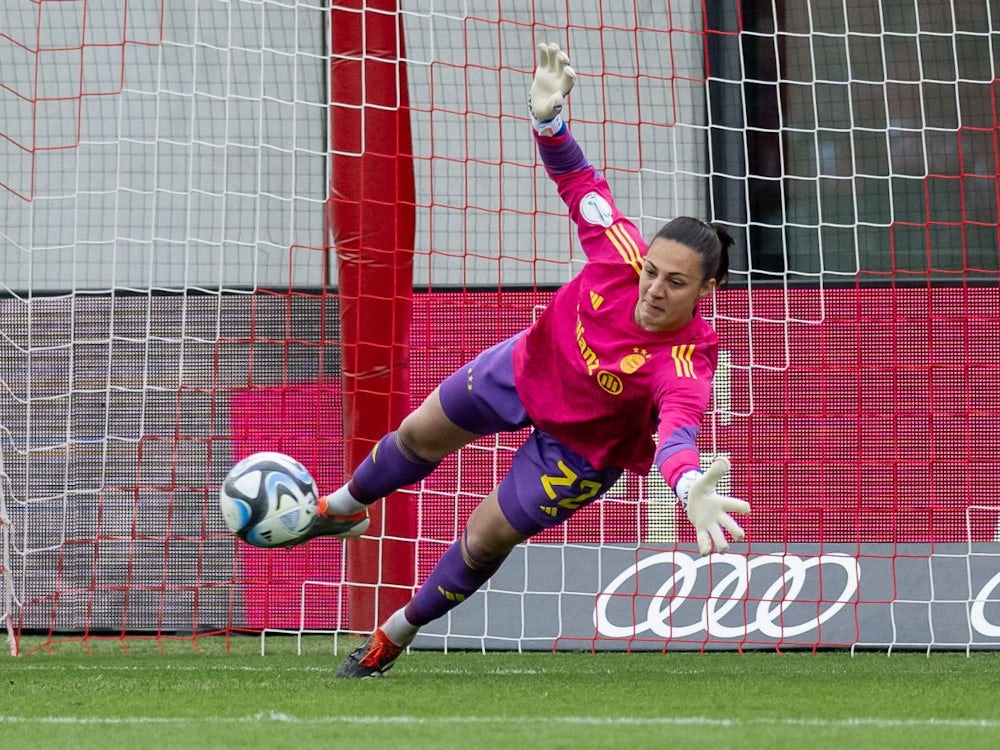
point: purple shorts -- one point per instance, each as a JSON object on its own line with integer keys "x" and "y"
{"x": 480, "y": 396}
{"x": 547, "y": 482}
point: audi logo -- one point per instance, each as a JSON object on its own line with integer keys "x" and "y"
{"x": 765, "y": 614}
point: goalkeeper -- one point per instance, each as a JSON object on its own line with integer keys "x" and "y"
{"x": 620, "y": 352}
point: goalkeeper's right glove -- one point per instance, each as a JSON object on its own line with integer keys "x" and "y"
{"x": 554, "y": 79}
{"x": 709, "y": 511}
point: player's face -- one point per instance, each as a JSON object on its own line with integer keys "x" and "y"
{"x": 671, "y": 283}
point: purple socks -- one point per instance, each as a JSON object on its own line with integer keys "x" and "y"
{"x": 388, "y": 467}
{"x": 456, "y": 577}
{"x": 459, "y": 573}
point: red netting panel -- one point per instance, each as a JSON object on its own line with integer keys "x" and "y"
{"x": 878, "y": 430}
{"x": 867, "y": 416}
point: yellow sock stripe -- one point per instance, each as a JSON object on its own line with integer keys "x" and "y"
{"x": 625, "y": 246}
{"x": 451, "y": 595}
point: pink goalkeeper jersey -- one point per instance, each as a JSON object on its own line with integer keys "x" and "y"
{"x": 585, "y": 371}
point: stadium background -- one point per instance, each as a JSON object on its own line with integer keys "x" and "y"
{"x": 172, "y": 300}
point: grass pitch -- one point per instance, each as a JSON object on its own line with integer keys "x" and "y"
{"x": 167, "y": 696}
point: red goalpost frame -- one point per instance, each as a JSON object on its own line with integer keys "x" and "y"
{"x": 370, "y": 221}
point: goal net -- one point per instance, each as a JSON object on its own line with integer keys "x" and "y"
{"x": 278, "y": 224}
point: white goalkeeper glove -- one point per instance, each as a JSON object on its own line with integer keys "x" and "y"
{"x": 709, "y": 511}
{"x": 554, "y": 79}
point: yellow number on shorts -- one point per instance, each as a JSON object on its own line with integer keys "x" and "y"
{"x": 568, "y": 479}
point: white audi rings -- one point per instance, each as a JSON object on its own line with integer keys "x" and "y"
{"x": 765, "y": 614}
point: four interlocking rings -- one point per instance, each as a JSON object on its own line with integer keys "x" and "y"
{"x": 764, "y": 614}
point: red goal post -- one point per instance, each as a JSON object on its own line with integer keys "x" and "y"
{"x": 242, "y": 226}
{"x": 371, "y": 214}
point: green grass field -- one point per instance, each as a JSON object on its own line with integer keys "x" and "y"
{"x": 178, "y": 698}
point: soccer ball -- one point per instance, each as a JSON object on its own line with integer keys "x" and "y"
{"x": 268, "y": 499}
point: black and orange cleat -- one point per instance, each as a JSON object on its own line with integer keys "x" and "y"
{"x": 373, "y": 658}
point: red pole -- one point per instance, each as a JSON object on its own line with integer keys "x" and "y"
{"x": 371, "y": 221}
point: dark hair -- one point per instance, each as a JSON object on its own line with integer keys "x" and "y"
{"x": 710, "y": 241}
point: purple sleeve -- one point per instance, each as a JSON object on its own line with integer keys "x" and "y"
{"x": 561, "y": 153}
{"x": 677, "y": 453}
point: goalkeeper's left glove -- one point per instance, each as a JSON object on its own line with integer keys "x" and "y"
{"x": 554, "y": 79}
{"x": 709, "y": 511}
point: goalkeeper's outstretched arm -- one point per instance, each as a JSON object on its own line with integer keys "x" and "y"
{"x": 583, "y": 189}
